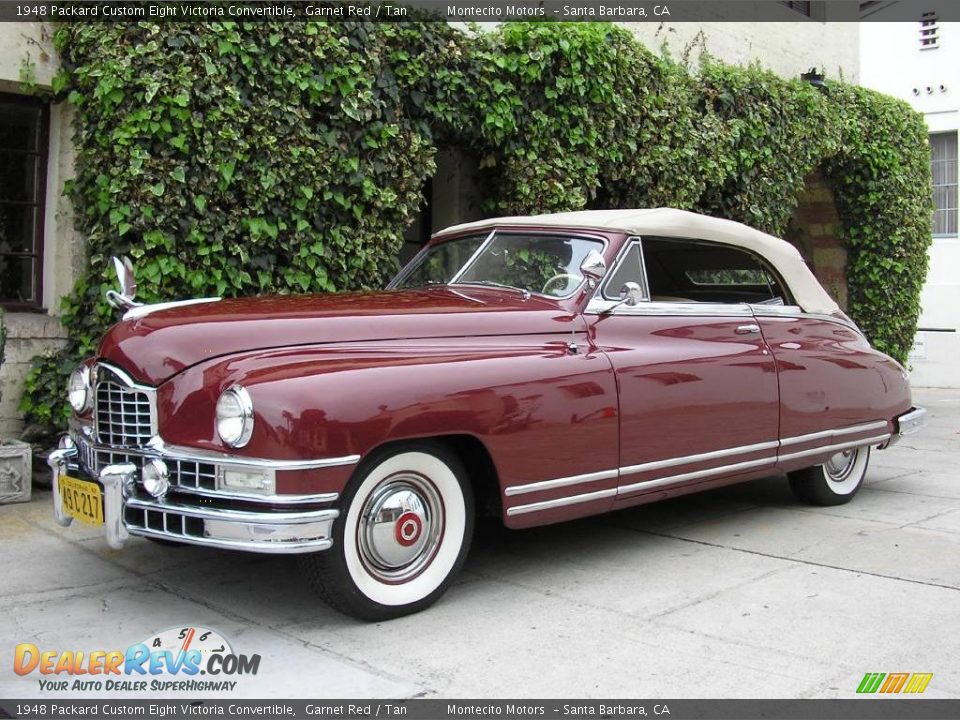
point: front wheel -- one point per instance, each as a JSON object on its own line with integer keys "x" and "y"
{"x": 404, "y": 531}
{"x": 835, "y": 482}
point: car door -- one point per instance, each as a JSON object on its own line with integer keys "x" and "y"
{"x": 697, "y": 384}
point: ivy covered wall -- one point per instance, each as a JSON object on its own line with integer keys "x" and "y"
{"x": 232, "y": 159}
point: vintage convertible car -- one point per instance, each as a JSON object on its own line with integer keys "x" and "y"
{"x": 505, "y": 370}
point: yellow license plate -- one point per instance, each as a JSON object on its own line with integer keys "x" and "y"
{"x": 81, "y": 500}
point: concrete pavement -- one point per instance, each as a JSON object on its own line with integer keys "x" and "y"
{"x": 739, "y": 592}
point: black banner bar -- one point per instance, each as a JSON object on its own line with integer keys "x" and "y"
{"x": 900, "y": 708}
{"x": 472, "y": 11}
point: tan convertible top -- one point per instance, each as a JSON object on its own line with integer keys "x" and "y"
{"x": 667, "y": 222}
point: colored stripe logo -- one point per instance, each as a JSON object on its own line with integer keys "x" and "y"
{"x": 890, "y": 683}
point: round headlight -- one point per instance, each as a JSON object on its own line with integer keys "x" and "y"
{"x": 235, "y": 416}
{"x": 78, "y": 390}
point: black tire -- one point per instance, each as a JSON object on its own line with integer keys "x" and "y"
{"x": 833, "y": 483}
{"x": 403, "y": 563}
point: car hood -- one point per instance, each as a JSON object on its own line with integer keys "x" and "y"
{"x": 153, "y": 347}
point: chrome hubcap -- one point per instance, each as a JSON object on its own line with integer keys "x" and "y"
{"x": 400, "y": 527}
{"x": 840, "y": 465}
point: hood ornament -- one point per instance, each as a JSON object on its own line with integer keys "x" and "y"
{"x": 123, "y": 300}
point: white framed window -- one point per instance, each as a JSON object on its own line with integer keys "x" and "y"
{"x": 929, "y": 31}
{"x": 943, "y": 166}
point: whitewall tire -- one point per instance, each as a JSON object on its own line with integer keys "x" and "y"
{"x": 836, "y": 481}
{"x": 405, "y": 526}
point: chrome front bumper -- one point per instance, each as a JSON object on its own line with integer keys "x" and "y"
{"x": 126, "y": 511}
{"x": 907, "y": 424}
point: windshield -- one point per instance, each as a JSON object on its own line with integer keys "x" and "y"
{"x": 542, "y": 264}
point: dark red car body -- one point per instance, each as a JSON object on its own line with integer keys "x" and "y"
{"x": 610, "y": 409}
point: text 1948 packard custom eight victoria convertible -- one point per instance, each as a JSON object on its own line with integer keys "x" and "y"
{"x": 541, "y": 368}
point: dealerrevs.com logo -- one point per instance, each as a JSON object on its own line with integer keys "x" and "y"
{"x": 188, "y": 659}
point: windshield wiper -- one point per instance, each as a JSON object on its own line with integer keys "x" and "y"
{"x": 491, "y": 283}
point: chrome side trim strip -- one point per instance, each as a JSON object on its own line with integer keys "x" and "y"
{"x": 696, "y": 475}
{"x": 702, "y": 457}
{"x": 559, "y": 482}
{"x": 275, "y": 499}
{"x": 876, "y": 440}
{"x": 797, "y": 312}
{"x": 770, "y": 460}
{"x": 865, "y": 427}
{"x": 561, "y": 502}
{"x": 175, "y": 452}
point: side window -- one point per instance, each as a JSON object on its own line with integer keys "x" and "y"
{"x": 629, "y": 269}
{"x": 696, "y": 271}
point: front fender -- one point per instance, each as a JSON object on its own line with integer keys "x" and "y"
{"x": 541, "y": 411}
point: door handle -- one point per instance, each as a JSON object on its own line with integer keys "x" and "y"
{"x": 747, "y": 329}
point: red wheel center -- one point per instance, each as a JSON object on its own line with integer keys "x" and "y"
{"x": 408, "y": 528}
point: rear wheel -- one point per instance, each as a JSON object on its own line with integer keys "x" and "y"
{"x": 404, "y": 530}
{"x": 835, "y": 482}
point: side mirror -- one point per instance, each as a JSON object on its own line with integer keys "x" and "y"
{"x": 123, "y": 300}
{"x": 631, "y": 294}
{"x": 593, "y": 267}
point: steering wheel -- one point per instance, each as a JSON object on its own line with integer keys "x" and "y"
{"x": 566, "y": 277}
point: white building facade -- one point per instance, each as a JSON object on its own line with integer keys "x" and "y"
{"x": 920, "y": 62}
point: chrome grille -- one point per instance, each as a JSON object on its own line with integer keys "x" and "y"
{"x": 123, "y": 414}
{"x": 192, "y": 475}
{"x": 184, "y": 474}
{"x": 95, "y": 460}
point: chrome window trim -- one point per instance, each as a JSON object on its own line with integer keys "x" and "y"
{"x": 407, "y": 269}
{"x": 631, "y": 242}
{"x": 455, "y": 281}
{"x": 598, "y": 306}
{"x": 473, "y": 258}
{"x": 559, "y": 482}
{"x": 577, "y": 234}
